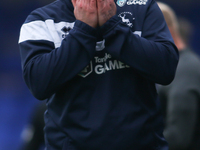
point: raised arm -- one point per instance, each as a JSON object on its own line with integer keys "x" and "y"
{"x": 46, "y": 67}
{"x": 153, "y": 55}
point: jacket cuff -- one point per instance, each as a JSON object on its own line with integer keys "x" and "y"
{"x": 110, "y": 24}
{"x": 85, "y": 28}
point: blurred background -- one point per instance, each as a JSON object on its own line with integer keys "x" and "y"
{"x": 16, "y": 102}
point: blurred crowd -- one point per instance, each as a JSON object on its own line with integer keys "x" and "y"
{"x": 16, "y": 101}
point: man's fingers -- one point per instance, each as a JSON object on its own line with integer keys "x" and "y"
{"x": 105, "y": 3}
{"x": 74, "y": 2}
{"x": 106, "y": 9}
{"x": 93, "y": 1}
{"x": 100, "y": 3}
{"x": 92, "y": 4}
{"x": 86, "y": 11}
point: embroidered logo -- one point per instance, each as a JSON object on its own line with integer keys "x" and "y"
{"x": 86, "y": 71}
{"x": 139, "y": 2}
{"x": 121, "y": 3}
{"x": 124, "y": 18}
{"x": 66, "y": 31}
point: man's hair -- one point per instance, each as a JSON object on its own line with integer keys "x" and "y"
{"x": 180, "y": 26}
{"x": 169, "y": 15}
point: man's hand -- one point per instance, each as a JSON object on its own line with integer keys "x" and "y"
{"x": 86, "y": 11}
{"x": 106, "y": 10}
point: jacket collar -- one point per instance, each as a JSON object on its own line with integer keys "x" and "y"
{"x": 69, "y": 4}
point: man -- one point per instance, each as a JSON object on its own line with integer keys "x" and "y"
{"x": 96, "y": 62}
{"x": 181, "y": 99}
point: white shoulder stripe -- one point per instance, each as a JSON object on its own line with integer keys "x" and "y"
{"x": 36, "y": 30}
{"x": 45, "y": 30}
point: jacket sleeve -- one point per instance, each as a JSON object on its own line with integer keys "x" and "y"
{"x": 153, "y": 55}
{"x": 46, "y": 68}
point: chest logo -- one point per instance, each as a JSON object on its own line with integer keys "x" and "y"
{"x": 121, "y": 3}
{"x": 125, "y": 19}
{"x": 101, "y": 65}
{"x": 139, "y": 2}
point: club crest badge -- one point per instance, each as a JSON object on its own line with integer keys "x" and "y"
{"x": 126, "y": 18}
{"x": 121, "y": 3}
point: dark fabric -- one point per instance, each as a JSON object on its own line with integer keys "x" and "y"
{"x": 181, "y": 104}
{"x": 36, "y": 126}
{"x": 100, "y": 94}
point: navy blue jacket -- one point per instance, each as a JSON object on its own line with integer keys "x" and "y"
{"x": 99, "y": 83}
